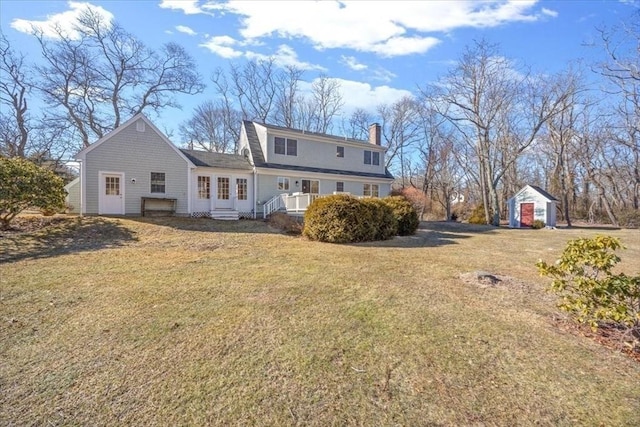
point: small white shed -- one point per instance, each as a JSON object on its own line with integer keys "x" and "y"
{"x": 529, "y": 204}
{"x": 73, "y": 196}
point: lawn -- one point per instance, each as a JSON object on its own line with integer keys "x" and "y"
{"x": 194, "y": 322}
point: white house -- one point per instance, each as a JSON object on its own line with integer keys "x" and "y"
{"x": 529, "y": 204}
{"x": 136, "y": 170}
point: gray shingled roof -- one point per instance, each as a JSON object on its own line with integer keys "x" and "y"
{"x": 324, "y": 135}
{"x": 544, "y": 193}
{"x": 217, "y": 160}
{"x": 386, "y": 175}
{"x": 254, "y": 143}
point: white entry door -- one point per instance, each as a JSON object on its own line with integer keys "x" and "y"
{"x": 111, "y": 201}
{"x": 223, "y": 193}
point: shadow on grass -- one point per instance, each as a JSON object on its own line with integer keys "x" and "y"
{"x": 65, "y": 237}
{"x": 434, "y": 234}
{"x": 209, "y": 225}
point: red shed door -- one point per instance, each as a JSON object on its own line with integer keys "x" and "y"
{"x": 526, "y": 214}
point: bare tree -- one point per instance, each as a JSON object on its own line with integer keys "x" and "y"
{"x": 106, "y": 74}
{"x": 253, "y": 86}
{"x": 560, "y": 141}
{"x": 400, "y": 129}
{"x": 14, "y": 117}
{"x": 326, "y": 102}
{"x": 209, "y": 128}
{"x": 621, "y": 70}
{"x": 287, "y": 96}
{"x": 357, "y": 126}
{"x": 437, "y": 148}
{"x": 498, "y": 111}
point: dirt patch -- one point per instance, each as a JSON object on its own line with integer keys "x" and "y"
{"x": 607, "y": 335}
{"x": 486, "y": 279}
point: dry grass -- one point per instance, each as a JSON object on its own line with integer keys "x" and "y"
{"x": 180, "y": 321}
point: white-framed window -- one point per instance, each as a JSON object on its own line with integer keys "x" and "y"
{"x": 285, "y": 146}
{"x": 371, "y": 190}
{"x": 310, "y": 186}
{"x": 204, "y": 187}
{"x": 112, "y": 186}
{"x": 158, "y": 182}
{"x": 241, "y": 188}
{"x": 371, "y": 158}
{"x": 223, "y": 188}
{"x": 340, "y": 186}
{"x": 283, "y": 183}
{"x": 339, "y": 151}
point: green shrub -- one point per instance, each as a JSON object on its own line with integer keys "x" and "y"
{"x": 404, "y": 213}
{"x": 583, "y": 278}
{"x": 383, "y": 221}
{"x": 27, "y": 185}
{"x": 538, "y": 224}
{"x": 338, "y": 219}
{"x": 477, "y": 215}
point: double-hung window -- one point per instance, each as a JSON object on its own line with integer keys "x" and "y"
{"x": 371, "y": 190}
{"x": 371, "y": 158}
{"x": 286, "y": 146}
{"x": 283, "y": 183}
{"x": 158, "y": 182}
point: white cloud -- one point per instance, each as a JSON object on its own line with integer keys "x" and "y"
{"x": 186, "y": 30}
{"x": 383, "y": 75}
{"x": 286, "y": 56}
{"x": 549, "y": 12}
{"x": 386, "y": 28}
{"x": 352, "y": 63}
{"x": 188, "y": 7}
{"x": 64, "y": 22}
{"x": 397, "y": 46}
{"x": 363, "y": 95}
{"x": 223, "y": 46}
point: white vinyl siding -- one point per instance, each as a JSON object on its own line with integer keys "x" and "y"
{"x": 136, "y": 154}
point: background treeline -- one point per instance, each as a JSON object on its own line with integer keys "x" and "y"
{"x": 474, "y": 137}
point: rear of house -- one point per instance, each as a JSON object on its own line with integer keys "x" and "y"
{"x": 133, "y": 162}
{"x": 135, "y": 169}
{"x": 293, "y": 166}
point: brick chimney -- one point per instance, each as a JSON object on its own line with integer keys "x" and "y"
{"x": 374, "y": 134}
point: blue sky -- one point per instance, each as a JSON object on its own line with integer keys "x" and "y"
{"x": 379, "y": 50}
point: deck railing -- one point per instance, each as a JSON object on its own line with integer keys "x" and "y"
{"x": 274, "y": 204}
{"x": 292, "y": 203}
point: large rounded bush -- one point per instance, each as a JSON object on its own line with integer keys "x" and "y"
{"x": 383, "y": 223}
{"x": 338, "y": 219}
{"x": 405, "y": 215}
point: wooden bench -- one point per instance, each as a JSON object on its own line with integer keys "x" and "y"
{"x": 156, "y": 206}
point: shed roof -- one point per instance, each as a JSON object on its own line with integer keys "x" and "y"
{"x": 539, "y": 190}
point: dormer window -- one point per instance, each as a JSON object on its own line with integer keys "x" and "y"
{"x": 286, "y": 146}
{"x": 371, "y": 158}
{"x": 339, "y": 151}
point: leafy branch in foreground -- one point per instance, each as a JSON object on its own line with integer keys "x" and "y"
{"x": 583, "y": 277}
{"x": 23, "y": 185}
